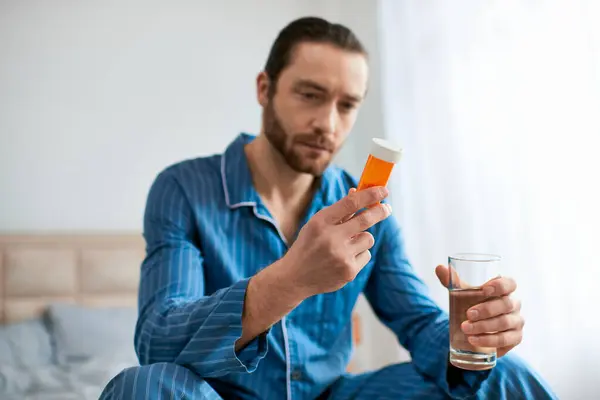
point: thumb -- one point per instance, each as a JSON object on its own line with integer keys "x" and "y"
{"x": 443, "y": 275}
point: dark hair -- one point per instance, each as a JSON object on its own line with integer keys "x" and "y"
{"x": 308, "y": 29}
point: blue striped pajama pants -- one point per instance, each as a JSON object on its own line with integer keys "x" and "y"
{"x": 510, "y": 379}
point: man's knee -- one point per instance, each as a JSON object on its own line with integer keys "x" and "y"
{"x": 513, "y": 366}
{"x": 157, "y": 381}
{"x": 513, "y": 378}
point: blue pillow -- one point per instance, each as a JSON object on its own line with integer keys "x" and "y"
{"x": 80, "y": 333}
{"x": 26, "y": 343}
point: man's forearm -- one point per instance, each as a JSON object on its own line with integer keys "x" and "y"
{"x": 270, "y": 296}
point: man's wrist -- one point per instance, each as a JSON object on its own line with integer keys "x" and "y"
{"x": 270, "y": 295}
{"x": 280, "y": 280}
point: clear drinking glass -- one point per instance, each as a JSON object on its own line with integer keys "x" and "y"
{"x": 468, "y": 272}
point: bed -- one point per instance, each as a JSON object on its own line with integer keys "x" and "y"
{"x": 67, "y": 313}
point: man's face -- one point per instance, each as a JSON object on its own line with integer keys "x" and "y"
{"x": 314, "y": 105}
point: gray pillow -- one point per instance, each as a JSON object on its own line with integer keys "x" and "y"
{"x": 25, "y": 344}
{"x": 81, "y": 333}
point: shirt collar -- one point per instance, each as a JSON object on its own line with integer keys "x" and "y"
{"x": 235, "y": 173}
{"x": 239, "y": 188}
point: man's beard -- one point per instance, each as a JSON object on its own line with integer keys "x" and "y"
{"x": 279, "y": 138}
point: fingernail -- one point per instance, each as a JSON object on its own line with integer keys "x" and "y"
{"x": 472, "y": 314}
{"x": 489, "y": 290}
{"x": 473, "y": 339}
{"x": 467, "y": 327}
{"x": 389, "y": 208}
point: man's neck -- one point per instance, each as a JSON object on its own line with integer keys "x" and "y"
{"x": 273, "y": 178}
{"x": 286, "y": 193}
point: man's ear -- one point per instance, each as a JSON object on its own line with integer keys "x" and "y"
{"x": 263, "y": 85}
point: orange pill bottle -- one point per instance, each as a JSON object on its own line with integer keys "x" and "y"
{"x": 378, "y": 168}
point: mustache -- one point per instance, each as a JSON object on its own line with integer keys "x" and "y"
{"x": 316, "y": 141}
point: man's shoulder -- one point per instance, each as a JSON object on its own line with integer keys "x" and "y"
{"x": 198, "y": 178}
{"x": 343, "y": 176}
{"x": 339, "y": 182}
{"x": 205, "y": 169}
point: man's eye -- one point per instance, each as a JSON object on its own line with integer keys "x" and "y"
{"x": 347, "y": 106}
{"x": 310, "y": 96}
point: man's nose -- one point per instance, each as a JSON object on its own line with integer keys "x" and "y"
{"x": 326, "y": 120}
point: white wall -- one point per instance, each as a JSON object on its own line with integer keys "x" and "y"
{"x": 97, "y": 97}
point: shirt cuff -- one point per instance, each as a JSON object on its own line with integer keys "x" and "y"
{"x": 463, "y": 384}
{"x": 250, "y": 355}
{"x": 211, "y": 351}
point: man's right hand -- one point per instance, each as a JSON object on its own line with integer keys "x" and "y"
{"x": 329, "y": 252}
{"x": 333, "y": 246}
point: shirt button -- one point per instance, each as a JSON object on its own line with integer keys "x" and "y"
{"x": 296, "y": 375}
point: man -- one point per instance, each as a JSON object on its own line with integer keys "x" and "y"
{"x": 255, "y": 259}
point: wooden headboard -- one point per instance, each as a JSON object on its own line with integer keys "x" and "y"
{"x": 90, "y": 269}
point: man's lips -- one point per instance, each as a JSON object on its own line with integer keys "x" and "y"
{"x": 316, "y": 146}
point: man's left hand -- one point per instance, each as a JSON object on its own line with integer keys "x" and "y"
{"x": 495, "y": 323}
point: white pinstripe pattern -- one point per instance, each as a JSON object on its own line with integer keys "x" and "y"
{"x": 207, "y": 233}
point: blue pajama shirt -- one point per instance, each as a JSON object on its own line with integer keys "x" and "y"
{"x": 207, "y": 232}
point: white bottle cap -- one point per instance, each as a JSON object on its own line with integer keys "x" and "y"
{"x": 386, "y": 151}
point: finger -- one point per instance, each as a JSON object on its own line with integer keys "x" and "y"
{"x": 500, "y": 323}
{"x": 443, "y": 274}
{"x": 501, "y": 286}
{"x": 497, "y": 340}
{"x": 363, "y": 259}
{"x": 361, "y": 242}
{"x": 348, "y": 217}
{"x": 449, "y": 281}
{"x": 493, "y": 308}
{"x": 353, "y": 202}
{"x": 367, "y": 218}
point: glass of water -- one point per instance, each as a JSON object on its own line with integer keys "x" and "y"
{"x": 468, "y": 272}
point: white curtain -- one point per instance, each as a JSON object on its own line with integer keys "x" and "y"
{"x": 497, "y": 105}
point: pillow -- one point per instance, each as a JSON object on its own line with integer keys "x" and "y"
{"x": 82, "y": 333}
{"x": 25, "y": 343}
